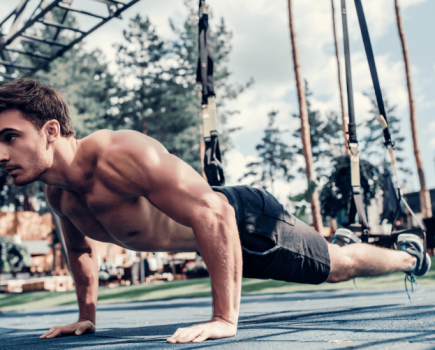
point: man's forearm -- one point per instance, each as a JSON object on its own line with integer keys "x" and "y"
{"x": 219, "y": 243}
{"x": 84, "y": 267}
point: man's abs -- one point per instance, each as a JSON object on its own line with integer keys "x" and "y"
{"x": 133, "y": 223}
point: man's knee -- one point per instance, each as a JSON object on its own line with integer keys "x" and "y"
{"x": 342, "y": 264}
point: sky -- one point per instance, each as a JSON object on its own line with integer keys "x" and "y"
{"x": 261, "y": 50}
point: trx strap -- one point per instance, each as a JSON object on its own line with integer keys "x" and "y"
{"x": 204, "y": 76}
{"x": 356, "y": 204}
{"x": 382, "y": 120}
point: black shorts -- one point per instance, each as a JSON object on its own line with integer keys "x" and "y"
{"x": 275, "y": 244}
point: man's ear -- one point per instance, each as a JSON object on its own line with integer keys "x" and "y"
{"x": 52, "y": 130}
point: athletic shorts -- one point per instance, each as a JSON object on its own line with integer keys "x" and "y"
{"x": 275, "y": 244}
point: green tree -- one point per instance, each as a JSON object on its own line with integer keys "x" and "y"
{"x": 13, "y": 257}
{"x": 157, "y": 91}
{"x": 373, "y": 144}
{"x": 86, "y": 84}
{"x": 326, "y": 137}
{"x": 276, "y": 158}
{"x": 335, "y": 195}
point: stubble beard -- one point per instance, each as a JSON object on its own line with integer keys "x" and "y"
{"x": 36, "y": 168}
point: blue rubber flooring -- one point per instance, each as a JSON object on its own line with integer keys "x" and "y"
{"x": 343, "y": 319}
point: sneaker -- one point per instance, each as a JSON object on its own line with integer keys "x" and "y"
{"x": 344, "y": 237}
{"x": 412, "y": 245}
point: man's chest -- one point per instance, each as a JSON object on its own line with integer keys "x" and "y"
{"x": 106, "y": 216}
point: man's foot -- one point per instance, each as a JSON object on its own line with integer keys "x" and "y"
{"x": 344, "y": 237}
{"x": 412, "y": 245}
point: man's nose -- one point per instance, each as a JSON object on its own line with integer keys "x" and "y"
{"x": 4, "y": 156}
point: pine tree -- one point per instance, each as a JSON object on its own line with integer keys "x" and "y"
{"x": 162, "y": 101}
{"x": 325, "y": 136}
{"x": 276, "y": 158}
{"x": 335, "y": 195}
{"x": 86, "y": 84}
{"x": 373, "y": 147}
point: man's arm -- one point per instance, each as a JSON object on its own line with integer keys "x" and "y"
{"x": 84, "y": 267}
{"x": 132, "y": 165}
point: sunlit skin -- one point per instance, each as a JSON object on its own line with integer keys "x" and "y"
{"x": 125, "y": 188}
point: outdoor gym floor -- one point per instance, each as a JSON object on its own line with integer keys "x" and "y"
{"x": 325, "y": 319}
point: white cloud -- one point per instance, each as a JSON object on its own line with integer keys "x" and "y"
{"x": 236, "y": 167}
{"x": 261, "y": 49}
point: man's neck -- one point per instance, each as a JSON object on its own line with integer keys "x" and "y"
{"x": 62, "y": 172}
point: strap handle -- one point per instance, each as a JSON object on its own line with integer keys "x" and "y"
{"x": 204, "y": 72}
{"x": 356, "y": 204}
{"x": 382, "y": 119}
{"x": 212, "y": 158}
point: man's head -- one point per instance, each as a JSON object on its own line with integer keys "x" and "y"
{"x": 32, "y": 115}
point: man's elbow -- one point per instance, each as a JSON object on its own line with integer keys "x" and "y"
{"x": 218, "y": 222}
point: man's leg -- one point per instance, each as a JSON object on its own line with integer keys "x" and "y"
{"x": 362, "y": 260}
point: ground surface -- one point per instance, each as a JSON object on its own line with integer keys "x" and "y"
{"x": 351, "y": 319}
{"x": 197, "y": 288}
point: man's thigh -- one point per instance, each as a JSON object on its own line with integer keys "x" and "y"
{"x": 276, "y": 244}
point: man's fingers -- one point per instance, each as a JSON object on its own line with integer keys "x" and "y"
{"x": 200, "y": 338}
{"x": 188, "y": 335}
{"x": 47, "y": 333}
{"x": 56, "y": 332}
{"x": 172, "y": 338}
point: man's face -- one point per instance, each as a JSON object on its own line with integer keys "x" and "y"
{"x": 23, "y": 151}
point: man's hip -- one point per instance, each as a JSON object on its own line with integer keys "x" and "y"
{"x": 275, "y": 244}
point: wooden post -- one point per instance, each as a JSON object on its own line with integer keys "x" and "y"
{"x": 305, "y": 127}
{"x": 425, "y": 202}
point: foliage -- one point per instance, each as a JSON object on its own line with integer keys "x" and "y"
{"x": 335, "y": 195}
{"x": 13, "y": 257}
{"x": 325, "y": 136}
{"x": 85, "y": 82}
{"x": 276, "y": 157}
{"x": 373, "y": 144}
{"x": 301, "y": 201}
{"x": 156, "y": 93}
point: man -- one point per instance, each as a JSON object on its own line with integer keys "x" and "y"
{"x": 124, "y": 187}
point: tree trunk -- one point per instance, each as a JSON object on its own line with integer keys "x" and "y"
{"x": 426, "y": 206}
{"x": 344, "y": 117}
{"x": 305, "y": 127}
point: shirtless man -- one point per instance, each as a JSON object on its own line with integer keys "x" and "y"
{"x": 124, "y": 188}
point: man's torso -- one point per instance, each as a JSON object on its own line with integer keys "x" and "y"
{"x": 106, "y": 214}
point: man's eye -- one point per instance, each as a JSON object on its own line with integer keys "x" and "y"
{"x": 10, "y": 138}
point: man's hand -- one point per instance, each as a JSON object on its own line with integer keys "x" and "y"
{"x": 215, "y": 329}
{"x": 78, "y": 328}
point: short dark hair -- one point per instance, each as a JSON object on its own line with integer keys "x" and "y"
{"x": 39, "y": 103}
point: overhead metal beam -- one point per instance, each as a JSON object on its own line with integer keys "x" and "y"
{"x": 19, "y": 33}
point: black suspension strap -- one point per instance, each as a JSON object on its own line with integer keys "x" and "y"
{"x": 383, "y": 121}
{"x": 356, "y": 204}
{"x": 204, "y": 76}
{"x": 373, "y": 72}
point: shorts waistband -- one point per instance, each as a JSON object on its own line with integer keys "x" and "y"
{"x": 235, "y": 201}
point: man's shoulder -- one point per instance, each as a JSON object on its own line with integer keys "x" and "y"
{"x": 124, "y": 143}
{"x": 98, "y": 140}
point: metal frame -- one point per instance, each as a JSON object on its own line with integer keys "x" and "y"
{"x": 10, "y": 42}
